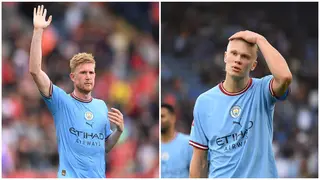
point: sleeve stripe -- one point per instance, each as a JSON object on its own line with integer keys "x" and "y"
{"x": 50, "y": 92}
{"x": 197, "y": 145}
{"x": 106, "y": 138}
{"x": 51, "y": 89}
{"x": 270, "y": 88}
{"x": 274, "y": 95}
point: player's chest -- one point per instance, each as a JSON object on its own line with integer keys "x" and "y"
{"x": 171, "y": 154}
{"x": 229, "y": 117}
{"x": 88, "y": 119}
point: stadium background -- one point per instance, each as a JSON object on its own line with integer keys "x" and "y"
{"x": 123, "y": 37}
{"x": 193, "y": 40}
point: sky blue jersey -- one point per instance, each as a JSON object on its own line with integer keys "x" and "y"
{"x": 81, "y": 128}
{"x": 237, "y": 130}
{"x": 175, "y": 157}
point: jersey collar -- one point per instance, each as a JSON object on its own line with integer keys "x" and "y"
{"x": 79, "y": 99}
{"x": 235, "y": 93}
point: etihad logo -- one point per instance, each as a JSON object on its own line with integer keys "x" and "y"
{"x": 234, "y": 140}
{"x": 86, "y": 135}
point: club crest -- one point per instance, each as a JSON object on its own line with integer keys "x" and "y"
{"x": 88, "y": 115}
{"x": 165, "y": 156}
{"x": 235, "y": 111}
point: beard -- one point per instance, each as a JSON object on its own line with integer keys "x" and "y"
{"x": 83, "y": 89}
{"x": 164, "y": 129}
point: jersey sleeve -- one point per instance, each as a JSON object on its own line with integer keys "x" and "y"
{"x": 108, "y": 130}
{"x": 198, "y": 138}
{"x": 108, "y": 126}
{"x": 55, "y": 98}
{"x": 268, "y": 93}
{"x": 189, "y": 154}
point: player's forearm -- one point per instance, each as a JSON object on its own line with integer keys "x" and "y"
{"x": 276, "y": 63}
{"x": 199, "y": 168}
{"x": 112, "y": 140}
{"x": 36, "y": 52}
{"x": 40, "y": 77}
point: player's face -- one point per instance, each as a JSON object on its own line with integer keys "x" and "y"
{"x": 166, "y": 119}
{"x": 240, "y": 58}
{"x": 83, "y": 77}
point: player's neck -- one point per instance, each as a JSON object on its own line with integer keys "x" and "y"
{"x": 233, "y": 85}
{"x": 169, "y": 136}
{"x": 82, "y": 95}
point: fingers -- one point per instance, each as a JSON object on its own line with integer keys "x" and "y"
{"x": 115, "y": 116}
{"x": 49, "y": 20}
{"x": 38, "y": 10}
{"x": 236, "y": 35}
{"x": 41, "y": 10}
{"x": 115, "y": 122}
{"x": 45, "y": 13}
{"x": 115, "y": 119}
{"x": 117, "y": 111}
{"x": 241, "y": 34}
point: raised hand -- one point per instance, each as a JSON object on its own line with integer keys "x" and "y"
{"x": 249, "y": 36}
{"x": 39, "y": 18}
{"x": 116, "y": 117}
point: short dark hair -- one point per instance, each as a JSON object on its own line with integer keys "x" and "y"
{"x": 168, "y": 107}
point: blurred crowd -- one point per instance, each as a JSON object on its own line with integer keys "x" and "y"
{"x": 194, "y": 37}
{"x": 123, "y": 38}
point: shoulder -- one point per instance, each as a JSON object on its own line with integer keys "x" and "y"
{"x": 207, "y": 97}
{"x": 99, "y": 102}
{"x": 209, "y": 94}
{"x": 183, "y": 136}
{"x": 56, "y": 89}
{"x": 262, "y": 80}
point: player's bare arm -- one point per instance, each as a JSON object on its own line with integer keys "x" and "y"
{"x": 276, "y": 63}
{"x": 116, "y": 117}
{"x": 199, "y": 164}
{"x": 40, "y": 77}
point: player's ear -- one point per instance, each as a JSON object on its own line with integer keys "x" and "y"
{"x": 174, "y": 118}
{"x": 254, "y": 65}
{"x": 225, "y": 57}
{"x": 71, "y": 76}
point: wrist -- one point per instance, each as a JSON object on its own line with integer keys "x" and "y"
{"x": 119, "y": 130}
{"x": 261, "y": 39}
{"x": 38, "y": 29}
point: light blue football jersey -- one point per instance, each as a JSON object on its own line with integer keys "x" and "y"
{"x": 81, "y": 128}
{"x": 237, "y": 130}
{"x": 175, "y": 157}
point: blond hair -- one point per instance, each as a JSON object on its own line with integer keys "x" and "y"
{"x": 81, "y": 58}
{"x": 255, "y": 46}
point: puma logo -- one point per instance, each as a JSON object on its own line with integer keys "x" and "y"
{"x": 235, "y": 122}
{"x": 90, "y": 124}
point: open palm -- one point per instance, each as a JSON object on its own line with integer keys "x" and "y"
{"x": 39, "y": 18}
